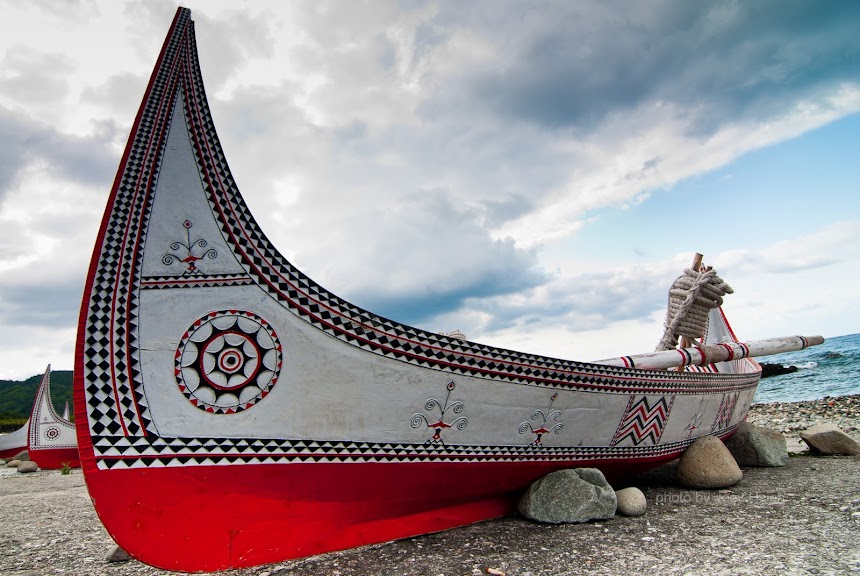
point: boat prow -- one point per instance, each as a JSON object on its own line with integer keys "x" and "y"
{"x": 49, "y": 439}
{"x": 52, "y": 440}
{"x": 231, "y": 412}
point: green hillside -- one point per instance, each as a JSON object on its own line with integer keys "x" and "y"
{"x": 16, "y": 397}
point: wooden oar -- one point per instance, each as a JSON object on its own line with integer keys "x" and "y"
{"x": 699, "y": 356}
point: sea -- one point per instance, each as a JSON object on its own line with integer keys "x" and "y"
{"x": 829, "y": 369}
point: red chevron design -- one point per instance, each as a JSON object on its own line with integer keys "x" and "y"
{"x": 643, "y": 420}
{"x": 726, "y": 412}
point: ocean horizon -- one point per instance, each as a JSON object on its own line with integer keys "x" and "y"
{"x": 830, "y": 369}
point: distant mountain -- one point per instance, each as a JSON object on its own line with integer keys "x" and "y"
{"x": 16, "y": 397}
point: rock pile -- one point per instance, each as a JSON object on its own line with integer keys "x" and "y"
{"x": 709, "y": 463}
{"x": 793, "y": 417}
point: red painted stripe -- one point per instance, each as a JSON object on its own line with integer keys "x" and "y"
{"x": 80, "y": 400}
{"x": 164, "y": 114}
{"x": 731, "y": 351}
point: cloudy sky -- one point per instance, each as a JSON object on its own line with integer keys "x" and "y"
{"x": 534, "y": 174}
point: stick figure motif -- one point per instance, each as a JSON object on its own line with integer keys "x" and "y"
{"x": 456, "y": 407}
{"x": 188, "y": 247}
{"x": 746, "y": 406}
{"x": 695, "y": 424}
{"x": 544, "y": 417}
{"x": 695, "y": 421}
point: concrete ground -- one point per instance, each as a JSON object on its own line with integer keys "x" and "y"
{"x": 800, "y": 519}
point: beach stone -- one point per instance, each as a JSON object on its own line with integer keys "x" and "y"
{"x": 827, "y": 438}
{"x": 707, "y": 463}
{"x": 569, "y": 496}
{"x": 758, "y": 446}
{"x": 13, "y": 463}
{"x": 23, "y": 456}
{"x": 631, "y": 502}
{"x": 117, "y": 554}
{"x": 27, "y": 467}
{"x": 2, "y": 462}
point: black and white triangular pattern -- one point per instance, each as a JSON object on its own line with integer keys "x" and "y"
{"x": 202, "y": 281}
{"x": 141, "y": 452}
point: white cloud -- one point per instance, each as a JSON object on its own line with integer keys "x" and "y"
{"x": 427, "y": 157}
{"x": 26, "y": 350}
{"x": 804, "y": 286}
{"x": 652, "y": 148}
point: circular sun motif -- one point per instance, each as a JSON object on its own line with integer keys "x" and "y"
{"x": 52, "y": 433}
{"x": 228, "y": 361}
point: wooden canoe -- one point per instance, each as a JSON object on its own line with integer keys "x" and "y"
{"x": 52, "y": 441}
{"x": 233, "y": 412}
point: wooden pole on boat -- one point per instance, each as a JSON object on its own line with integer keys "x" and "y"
{"x": 685, "y": 342}
{"x": 702, "y": 355}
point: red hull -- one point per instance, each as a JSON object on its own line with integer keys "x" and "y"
{"x": 56, "y": 459}
{"x": 9, "y": 452}
{"x": 218, "y": 517}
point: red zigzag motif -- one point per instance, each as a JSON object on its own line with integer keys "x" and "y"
{"x": 726, "y": 411}
{"x": 643, "y": 420}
